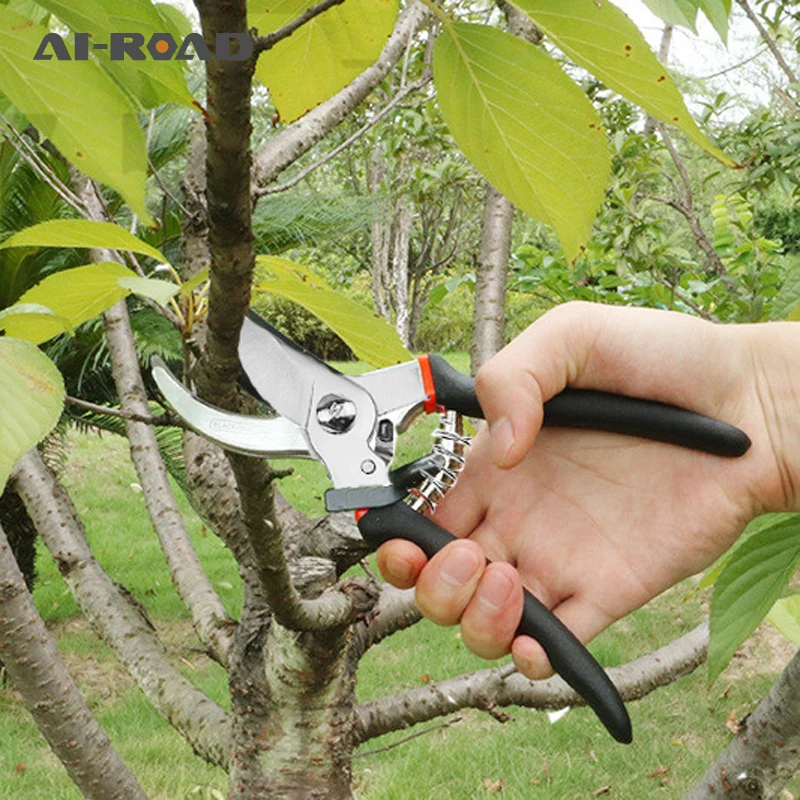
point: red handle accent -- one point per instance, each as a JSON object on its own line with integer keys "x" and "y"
{"x": 428, "y": 385}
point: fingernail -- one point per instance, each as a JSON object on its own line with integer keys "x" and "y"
{"x": 502, "y": 434}
{"x": 400, "y": 569}
{"x": 494, "y": 590}
{"x": 459, "y": 566}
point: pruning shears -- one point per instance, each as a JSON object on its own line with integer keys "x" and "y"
{"x": 351, "y": 424}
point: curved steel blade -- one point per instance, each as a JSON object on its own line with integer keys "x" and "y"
{"x": 256, "y": 436}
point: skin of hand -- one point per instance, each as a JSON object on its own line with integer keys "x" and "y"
{"x": 596, "y": 524}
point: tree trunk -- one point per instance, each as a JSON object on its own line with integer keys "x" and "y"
{"x": 488, "y": 334}
{"x": 379, "y": 236}
{"x": 294, "y": 704}
{"x": 20, "y": 532}
{"x": 765, "y": 754}
{"x": 117, "y": 620}
{"x": 51, "y": 696}
{"x": 404, "y": 219}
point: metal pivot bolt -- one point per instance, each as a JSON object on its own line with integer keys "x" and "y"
{"x": 336, "y": 414}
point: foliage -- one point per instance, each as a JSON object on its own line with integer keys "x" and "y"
{"x": 31, "y": 394}
{"x": 369, "y": 336}
{"x": 525, "y": 125}
{"x": 750, "y": 583}
{"x": 95, "y": 126}
{"x": 347, "y": 40}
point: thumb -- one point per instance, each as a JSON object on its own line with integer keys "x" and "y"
{"x": 513, "y": 386}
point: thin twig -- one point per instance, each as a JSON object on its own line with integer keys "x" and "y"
{"x": 769, "y": 41}
{"x": 684, "y": 299}
{"x": 42, "y": 169}
{"x": 268, "y": 41}
{"x": 165, "y": 189}
{"x": 446, "y": 724}
{"x": 163, "y": 420}
{"x": 734, "y": 66}
{"x": 400, "y": 96}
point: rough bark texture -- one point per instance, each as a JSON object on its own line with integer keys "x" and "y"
{"x": 295, "y": 733}
{"x": 49, "y": 693}
{"x": 765, "y": 754}
{"x": 291, "y": 686}
{"x": 489, "y": 314}
{"x": 115, "y": 618}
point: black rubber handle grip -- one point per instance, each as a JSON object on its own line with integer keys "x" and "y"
{"x": 604, "y": 411}
{"x": 569, "y": 657}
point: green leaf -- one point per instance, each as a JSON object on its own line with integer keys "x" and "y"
{"x": 196, "y": 281}
{"x": 78, "y": 106}
{"x": 369, "y": 336}
{"x": 525, "y": 125}
{"x": 81, "y": 233}
{"x": 676, "y": 12}
{"x": 785, "y": 616}
{"x": 717, "y": 12}
{"x": 324, "y": 55}
{"x": 31, "y": 396}
{"x": 599, "y": 37}
{"x": 752, "y": 580}
{"x": 160, "y": 291}
{"x": 75, "y": 295}
{"x": 84, "y": 17}
{"x": 27, "y": 311}
{"x": 149, "y": 81}
{"x": 177, "y": 23}
{"x": 787, "y": 301}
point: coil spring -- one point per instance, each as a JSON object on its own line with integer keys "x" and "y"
{"x": 449, "y": 446}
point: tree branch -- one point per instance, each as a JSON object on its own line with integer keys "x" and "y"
{"x": 765, "y": 754}
{"x": 211, "y": 621}
{"x": 285, "y": 148}
{"x": 495, "y": 687}
{"x": 769, "y": 41}
{"x": 167, "y": 420}
{"x": 199, "y": 719}
{"x": 332, "y": 608}
{"x": 303, "y": 174}
{"x": 49, "y": 693}
{"x": 395, "y": 611}
{"x": 268, "y": 41}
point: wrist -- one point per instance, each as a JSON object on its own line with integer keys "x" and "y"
{"x": 772, "y": 351}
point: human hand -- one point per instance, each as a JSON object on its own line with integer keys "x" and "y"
{"x": 597, "y": 524}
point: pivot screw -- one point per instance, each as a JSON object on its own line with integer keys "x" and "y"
{"x": 336, "y": 414}
{"x": 368, "y": 466}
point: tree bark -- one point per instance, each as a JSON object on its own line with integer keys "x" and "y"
{"x": 402, "y": 223}
{"x": 504, "y": 686}
{"x": 212, "y": 623}
{"x": 765, "y": 754}
{"x": 296, "y": 741}
{"x": 379, "y": 236}
{"x": 488, "y": 333}
{"x": 49, "y": 693}
{"x": 117, "y": 621}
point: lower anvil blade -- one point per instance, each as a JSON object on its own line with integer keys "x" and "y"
{"x": 256, "y": 436}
